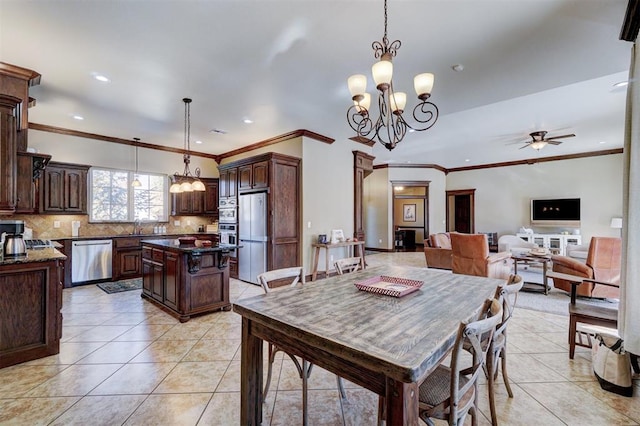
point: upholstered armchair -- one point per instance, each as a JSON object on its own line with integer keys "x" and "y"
{"x": 438, "y": 252}
{"x": 471, "y": 257}
{"x": 514, "y": 244}
{"x": 603, "y": 263}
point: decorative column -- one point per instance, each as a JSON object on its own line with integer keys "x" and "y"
{"x": 362, "y": 167}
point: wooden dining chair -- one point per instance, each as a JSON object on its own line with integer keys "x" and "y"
{"x": 348, "y": 264}
{"x": 509, "y": 298}
{"x": 296, "y": 275}
{"x": 451, "y": 393}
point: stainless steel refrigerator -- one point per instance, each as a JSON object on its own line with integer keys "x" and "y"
{"x": 252, "y": 256}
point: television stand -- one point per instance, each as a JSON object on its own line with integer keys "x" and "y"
{"x": 554, "y": 242}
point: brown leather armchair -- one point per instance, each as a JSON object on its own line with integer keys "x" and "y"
{"x": 438, "y": 253}
{"x": 471, "y": 257}
{"x": 604, "y": 261}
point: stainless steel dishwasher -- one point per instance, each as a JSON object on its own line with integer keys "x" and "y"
{"x": 90, "y": 260}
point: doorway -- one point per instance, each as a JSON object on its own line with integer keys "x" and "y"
{"x": 461, "y": 211}
{"x": 410, "y": 214}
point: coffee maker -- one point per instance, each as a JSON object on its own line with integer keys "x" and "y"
{"x": 11, "y": 236}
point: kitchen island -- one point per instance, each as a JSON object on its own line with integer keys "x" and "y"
{"x": 30, "y": 304}
{"x": 186, "y": 279}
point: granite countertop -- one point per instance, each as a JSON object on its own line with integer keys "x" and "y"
{"x": 189, "y": 248}
{"x": 36, "y": 255}
{"x": 143, "y": 236}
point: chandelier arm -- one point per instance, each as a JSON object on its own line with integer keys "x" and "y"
{"x": 426, "y": 115}
{"x": 359, "y": 121}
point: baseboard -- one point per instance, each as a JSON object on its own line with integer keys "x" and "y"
{"x": 379, "y": 249}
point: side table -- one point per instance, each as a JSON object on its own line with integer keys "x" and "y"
{"x": 317, "y": 247}
{"x": 532, "y": 286}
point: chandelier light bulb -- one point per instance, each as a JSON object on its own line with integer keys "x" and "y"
{"x": 398, "y": 102}
{"x": 382, "y": 73}
{"x": 357, "y": 85}
{"x": 362, "y": 106}
{"x": 423, "y": 83}
{"x": 186, "y": 187}
{"x": 175, "y": 188}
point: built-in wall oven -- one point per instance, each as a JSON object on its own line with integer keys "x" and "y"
{"x": 228, "y": 235}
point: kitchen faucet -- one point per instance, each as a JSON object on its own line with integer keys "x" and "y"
{"x": 137, "y": 227}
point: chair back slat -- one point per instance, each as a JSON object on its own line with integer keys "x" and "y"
{"x": 349, "y": 264}
{"x": 296, "y": 274}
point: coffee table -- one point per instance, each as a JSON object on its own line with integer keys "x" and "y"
{"x": 529, "y": 258}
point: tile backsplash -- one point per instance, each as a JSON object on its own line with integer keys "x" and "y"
{"x": 43, "y": 226}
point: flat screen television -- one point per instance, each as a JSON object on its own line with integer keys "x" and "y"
{"x": 556, "y": 212}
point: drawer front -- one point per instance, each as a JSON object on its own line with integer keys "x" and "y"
{"x": 126, "y": 242}
{"x": 146, "y": 252}
{"x": 157, "y": 255}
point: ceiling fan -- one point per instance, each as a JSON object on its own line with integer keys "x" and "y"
{"x": 539, "y": 141}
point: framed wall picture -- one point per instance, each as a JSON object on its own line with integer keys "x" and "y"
{"x": 409, "y": 212}
{"x": 337, "y": 236}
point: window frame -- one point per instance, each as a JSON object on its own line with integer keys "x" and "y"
{"x": 130, "y": 196}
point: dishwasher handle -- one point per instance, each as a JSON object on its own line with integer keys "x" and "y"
{"x": 105, "y": 243}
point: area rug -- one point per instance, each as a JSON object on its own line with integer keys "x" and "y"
{"x": 556, "y": 302}
{"x": 122, "y": 285}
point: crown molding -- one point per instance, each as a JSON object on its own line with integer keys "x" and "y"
{"x": 277, "y": 139}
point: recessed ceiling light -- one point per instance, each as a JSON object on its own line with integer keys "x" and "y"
{"x": 77, "y": 117}
{"x": 198, "y": 142}
{"x": 247, "y": 121}
{"x": 467, "y": 160}
{"x": 411, "y": 130}
{"x": 603, "y": 142}
{"x": 621, "y": 84}
{"x": 101, "y": 78}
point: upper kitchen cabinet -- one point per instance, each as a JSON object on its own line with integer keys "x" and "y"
{"x": 228, "y": 182}
{"x": 197, "y": 203}
{"x": 63, "y": 189}
{"x": 253, "y": 176}
{"x": 30, "y": 168}
{"x": 15, "y": 81}
{"x": 8, "y": 156}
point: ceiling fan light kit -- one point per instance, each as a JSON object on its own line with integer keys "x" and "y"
{"x": 187, "y": 182}
{"x": 539, "y": 140}
{"x": 390, "y": 127}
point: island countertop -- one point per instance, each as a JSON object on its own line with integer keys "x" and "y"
{"x": 34, "y": 255}
{"x": 196, "y": 247}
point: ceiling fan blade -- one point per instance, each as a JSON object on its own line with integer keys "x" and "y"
{"x": 525, "y": 146}
{"x": 517, "y": 142}
{"x": 570, "y": 135}
{"x": 552, "y": 142}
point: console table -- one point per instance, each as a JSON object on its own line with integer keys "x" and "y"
{"x": 327, "y": 247}
{"x": 553, "y": 242}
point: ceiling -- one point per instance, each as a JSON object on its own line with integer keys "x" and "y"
{"x": 528, "y": 65}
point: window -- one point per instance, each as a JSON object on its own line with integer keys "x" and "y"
{"x": 113, "y": 199}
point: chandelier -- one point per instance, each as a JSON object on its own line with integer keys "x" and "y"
{"x": 187, "y": 182}
{"x": 390, "y": 127}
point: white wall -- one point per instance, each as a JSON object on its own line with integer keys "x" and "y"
{"x": 72, "y": 149}
{"x": 502, "y": 198}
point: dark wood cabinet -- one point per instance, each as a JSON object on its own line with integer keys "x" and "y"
{"x": 30, "y": 167}
{"x": 8, "y": 148}
{"x": 127, "y": 258}
{"x": 182, "y": 282}
{"x": 30, "y": 311}
{"x": 228, "y": 182}
{"x": 197, "y": 203}
{"x": 253, "y": 176}
{"x": 63, "y": 189}
{"x": 280, "y": 177}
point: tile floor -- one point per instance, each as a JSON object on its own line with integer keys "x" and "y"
{"x": 123, "y": 361}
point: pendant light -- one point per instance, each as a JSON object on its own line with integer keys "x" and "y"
{"x": 136, "y": 182}
{"x": 187, "y": 182}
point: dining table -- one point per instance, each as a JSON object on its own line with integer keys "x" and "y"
{"x": 386, "y": 344}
